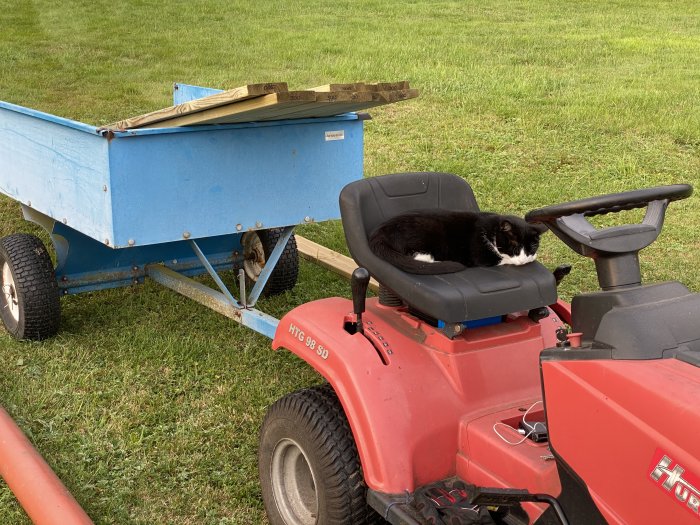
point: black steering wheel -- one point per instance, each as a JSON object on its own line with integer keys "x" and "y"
{"x": 611, "y": 203}
{"x": 616, "y": 247}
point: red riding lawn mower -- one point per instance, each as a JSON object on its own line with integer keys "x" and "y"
{"x": 464, "y": 398}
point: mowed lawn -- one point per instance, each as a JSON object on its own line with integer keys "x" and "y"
{"x": 148, "y": 405}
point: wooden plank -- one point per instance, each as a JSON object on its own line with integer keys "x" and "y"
{"x": 375, "y": 99}
{"x": 353, "y": 87}
{"x": 389, "y": 86}
{"x": 315, "y": 103}
{"x": 323, "y": 104}
{"x": 391, "y": 96}
{"x": 202, "y": 104}
{"x": 329, "y": 106}
{"x": 329, "y": 259}
{"x": 243, "y": 111}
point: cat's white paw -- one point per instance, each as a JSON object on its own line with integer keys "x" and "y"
{"x": 423, "y": 257}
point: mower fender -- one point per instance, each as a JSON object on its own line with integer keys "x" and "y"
{"x": 402, "y": 413}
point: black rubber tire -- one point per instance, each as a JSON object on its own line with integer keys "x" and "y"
{"x": 284, "y": 276}
{"x": 314, "y": 421}
{"x": 34, "y": 290}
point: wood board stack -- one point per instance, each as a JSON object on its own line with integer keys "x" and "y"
{"x": 272, "y": 101}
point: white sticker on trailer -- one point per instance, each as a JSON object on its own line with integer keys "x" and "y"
{"x": 335, "y": 135}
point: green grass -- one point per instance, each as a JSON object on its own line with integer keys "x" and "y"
{"x": 148, "y": 405}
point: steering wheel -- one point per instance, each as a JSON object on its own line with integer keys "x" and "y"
{"x": 615, "y": 248}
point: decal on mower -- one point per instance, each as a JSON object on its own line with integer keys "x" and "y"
{"x": 679, "y": 484}
{"x": 309, "y": 341}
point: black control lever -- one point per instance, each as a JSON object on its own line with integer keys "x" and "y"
{"x": 358, "y": 284}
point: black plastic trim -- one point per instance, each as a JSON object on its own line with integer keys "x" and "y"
{"x": 394, "y": 508}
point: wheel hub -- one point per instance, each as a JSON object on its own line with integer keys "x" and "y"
{"x": 8, "y": 290}
{"x": 253, "y": 255}
{"x": 293, "y": 484}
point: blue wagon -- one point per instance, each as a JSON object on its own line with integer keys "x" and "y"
{"x": 166, "y": 203}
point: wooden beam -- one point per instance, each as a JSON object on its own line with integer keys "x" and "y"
{"x": 356, "y": 86}
{"x": 391, "y": 96}
{"x": 241, "y": 111}
{"x": 329, "y": 104}
{"x": 388, "y": 86}
{"x": 202, "y": 104}
{"x": 329, "y": 259}
{"x": 272, "y": 101}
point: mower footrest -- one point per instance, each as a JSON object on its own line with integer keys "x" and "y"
{"x": 394, "y": 508}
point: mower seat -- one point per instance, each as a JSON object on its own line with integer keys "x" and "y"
{"x": 473, "y": 293}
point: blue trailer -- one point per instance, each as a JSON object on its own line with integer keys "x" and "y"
{"x": 165, "y": 203}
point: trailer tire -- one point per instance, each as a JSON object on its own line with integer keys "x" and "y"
{"x": 310, "y": 471}
{"x": 257, "y": 247}
{"x": 30, "y": 305}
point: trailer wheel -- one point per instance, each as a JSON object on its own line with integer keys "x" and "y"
{"x": 257, "y": 247}
{"x": 310, "y": 472}
{"x": 29, "y": 303}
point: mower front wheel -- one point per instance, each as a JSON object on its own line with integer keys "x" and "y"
{"x": 310, "y": 471}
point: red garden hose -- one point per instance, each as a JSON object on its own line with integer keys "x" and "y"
{"x": 37, "y": 488}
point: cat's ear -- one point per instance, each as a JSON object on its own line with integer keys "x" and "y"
{"x": 506, "y": 226}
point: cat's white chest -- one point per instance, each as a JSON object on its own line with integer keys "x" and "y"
{"x": 516, "y": 260}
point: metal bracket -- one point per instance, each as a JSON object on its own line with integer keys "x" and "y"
{"x": 270, "y": 264}
{"x": 212, "y": 272}
{"x": 256, "y": 320}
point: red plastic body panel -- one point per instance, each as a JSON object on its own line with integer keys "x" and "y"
{"x": 411, "y": 396}
{"x": 490, "y": 462}
{"x": 613, "y": 421}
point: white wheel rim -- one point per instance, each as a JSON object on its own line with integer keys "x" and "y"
{"x": 293, "y": 484}
{"x": 253, "y": 255}
{"x": 11, "y": 303}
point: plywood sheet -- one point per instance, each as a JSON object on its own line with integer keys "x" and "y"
{"x": 219, "y": 99}
{"x": 243, "y": 111}
{"x": 272, "y": 101}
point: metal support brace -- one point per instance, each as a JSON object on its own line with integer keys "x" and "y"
{"x": 270, "y": 264}
{"x": 214, "y": 275}
{"x": 203, "y": 294}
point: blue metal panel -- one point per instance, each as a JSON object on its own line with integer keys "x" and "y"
{"x": 213, "y": 182}
{"x": 50, "y": 118}
{"x": 143, "y": 187}
{"x": 185, "y": 92}
{"x": 85, "y": 264}
{"x": 220, "y": 127}
{"x": 56, "y": 166}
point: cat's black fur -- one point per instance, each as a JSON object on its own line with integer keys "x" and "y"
{"x": 454, "y": 239}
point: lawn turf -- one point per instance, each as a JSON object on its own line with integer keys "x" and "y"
{"x": 147, "y": 405}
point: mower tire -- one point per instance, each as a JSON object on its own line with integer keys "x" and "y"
{"x": 29, "y": 300}
{"x": 310, "y": 471}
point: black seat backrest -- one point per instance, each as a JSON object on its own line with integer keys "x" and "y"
{"x": 474, "y": 293}
{"x": 367, "y": 203}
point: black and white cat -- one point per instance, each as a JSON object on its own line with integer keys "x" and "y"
{"x": 439, "y": 241}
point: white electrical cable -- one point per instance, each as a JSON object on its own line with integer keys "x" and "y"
{"x": 534, "y": 427}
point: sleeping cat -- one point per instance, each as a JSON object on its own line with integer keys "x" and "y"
{"x": 439, "y": 241}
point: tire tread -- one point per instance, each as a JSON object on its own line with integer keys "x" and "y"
{"x": 319, "y": 411}
{"x": 35, "y": 283}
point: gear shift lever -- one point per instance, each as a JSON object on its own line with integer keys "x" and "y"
{"x": 358, "y": 284}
